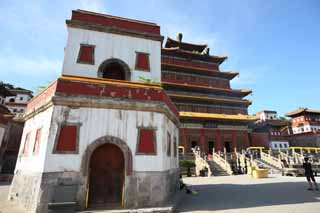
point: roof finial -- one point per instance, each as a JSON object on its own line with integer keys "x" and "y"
{"x": 179, "y": 37}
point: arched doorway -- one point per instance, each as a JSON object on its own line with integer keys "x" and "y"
{"x": 106, "y": 176}
{"x": 114, "y": 69}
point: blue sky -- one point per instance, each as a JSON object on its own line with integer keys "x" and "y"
{"x": 275, "y": 44}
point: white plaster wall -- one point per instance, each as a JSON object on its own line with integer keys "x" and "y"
{"x": 31, "y": 162}
{"x": 276, "y": 144}
{"x": 108, "y": 46}
{"x": 25, "y": 98}
{"x": 122, "y": 124}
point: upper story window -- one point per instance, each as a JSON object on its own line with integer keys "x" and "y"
{"x": 142, "y": 61}
{"x": 86, "y": 54}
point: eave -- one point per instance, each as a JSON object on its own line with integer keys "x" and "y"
{"x": 238, "y": 117}
{"x": 208, "y": 99}
{"x": 173, "y": 67}
{"x": 242, "y": 93}
{"x": 194, "y": 55}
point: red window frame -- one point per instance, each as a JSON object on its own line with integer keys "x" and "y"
{"x": 26, "y": 144}
{"x": 86, "y": 54}
{"x": 67, "y": 139}
{"x": 142, "y": 61}
{"x": 36, "y": 146}
{"x": 146, "y": 141}
{"x": 175, "y": 146}
{"x": 168, "y": 144}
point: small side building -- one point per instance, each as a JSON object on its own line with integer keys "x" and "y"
{"x": 267, "y": 131}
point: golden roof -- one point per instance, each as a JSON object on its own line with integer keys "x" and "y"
{"x": 217, "y": 116}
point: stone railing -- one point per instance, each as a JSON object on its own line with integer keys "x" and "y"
{"x": 276, "y": 162}
{"x": 201, "y": 164}
{"x": 222, "y": 162}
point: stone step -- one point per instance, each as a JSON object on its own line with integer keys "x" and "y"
{"x": 216, "y": 169}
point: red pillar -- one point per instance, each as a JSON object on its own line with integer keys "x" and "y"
{"x": 234, "y": 140}
{"x": 202, "y": 141}
{"x": 218, "y": 144}
{"x": 185, "y": 141}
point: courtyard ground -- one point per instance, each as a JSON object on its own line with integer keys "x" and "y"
{"x": 230, "y": 194}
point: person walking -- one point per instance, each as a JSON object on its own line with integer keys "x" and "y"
{"x": 309, "y": 174}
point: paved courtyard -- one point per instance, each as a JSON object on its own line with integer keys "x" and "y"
{"x": 236, "y": 194}
{"x": 244, "y": 194}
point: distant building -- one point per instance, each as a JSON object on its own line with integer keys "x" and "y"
{"x": 10, "y": 133}
{"x": 269, "y": 123}
{"x": 305, "y": 127}
{"x": 266, "y": 115}
{"x": 305, "y": 120}
{"x": 18, "y": 100}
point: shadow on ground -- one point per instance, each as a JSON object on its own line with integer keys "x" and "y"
{"x": 233, "y": 196}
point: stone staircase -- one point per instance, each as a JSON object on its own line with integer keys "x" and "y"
{"x": 272, "y": 168}
{"x": 216, "y": 169}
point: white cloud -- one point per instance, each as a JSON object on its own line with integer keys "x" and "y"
{"x": 19, "y": 65}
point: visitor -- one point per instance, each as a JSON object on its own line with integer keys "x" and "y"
{"x": 309, "y": 174}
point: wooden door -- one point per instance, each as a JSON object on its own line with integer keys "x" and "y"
{"x": 227, "y": 145}
{"x": 106, "y": 176}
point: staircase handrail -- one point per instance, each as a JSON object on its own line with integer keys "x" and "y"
{"x": 276, "y": 162}
{"x": 201, "y": 164}
{"x": 222, "y": 163}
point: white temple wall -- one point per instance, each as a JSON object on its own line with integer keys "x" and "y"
{"x": 96, "y": 123}
{"x": 108, "y": 46}
{"x": 34, "y": 162}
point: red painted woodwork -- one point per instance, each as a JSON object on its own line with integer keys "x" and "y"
{"x": 193, "y": 80}
{"x": 210, "y": 109}
{"x": 74, "y": 87}
{"x": 106, "y": 175}
{"x": 3, "y": 120}
{"x": 42, "y": 97}
{"x": 67, "y": 140}
{"x": 142, "y": 62}
{"x": 168, "y": 144}
{"x": 113, "y": 21}
{"x": 146, "y": 143}
{"x": 86, "y": 54}
{"x": 189, "y": 63}
{"x": 115, "y": 91}
{"x": 36, "y": 145}
{"x": 26, "y": 144}
{"x": 259, "y": 139}
{"x": 175, "y": 147}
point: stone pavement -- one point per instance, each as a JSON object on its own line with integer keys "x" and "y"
{"x": 234, "y": 194}
{"x": 230, "y": 194}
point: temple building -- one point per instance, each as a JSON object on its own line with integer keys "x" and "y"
{"x": 97, "y": 137}
{"x": 212, "y": 114}
{"x": 305, "y": 120}
{"x": 18, "y": 100}
{"x": 267, "y": 131}
{"x": 305, "y": 127}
